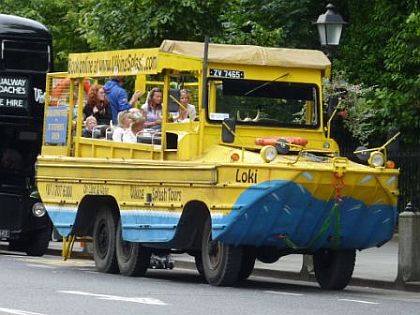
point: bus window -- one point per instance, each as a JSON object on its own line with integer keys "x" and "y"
{"x": 26, "y": 55}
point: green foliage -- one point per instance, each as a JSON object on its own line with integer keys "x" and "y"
{"x": 243, "y": 24}
{"x": 354, "y": 104}
{"x": 382, "y": 49}
{"x": 60, "y": 16}
{"x": 272, "y": 23}
{"x": 114, "y": 24}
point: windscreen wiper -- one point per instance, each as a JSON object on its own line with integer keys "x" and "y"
{"x": 266, "y": 83}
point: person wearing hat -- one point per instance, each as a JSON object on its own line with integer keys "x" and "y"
{"x": 118, "y": 97}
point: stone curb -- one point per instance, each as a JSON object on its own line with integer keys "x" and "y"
{"x": 289, "y": 275}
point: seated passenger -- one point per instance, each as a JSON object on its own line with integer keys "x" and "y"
{"x": 124, "y": 122}
{"x": 137, "y": 125}
{"x": 97, "y": 105}
{"x": 90, "y": 123}
{"x": 188, "y": 112}
{"x": 152, "y": 109}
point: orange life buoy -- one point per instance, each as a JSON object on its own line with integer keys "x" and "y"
{"x": 62, "y": 87}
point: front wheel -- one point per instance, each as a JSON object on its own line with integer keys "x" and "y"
{"x": 133, "y": 259}
{"x": 104, "y": 241}
{"x": 221, "y": 262}
{"x": 334, "y": 268}
{"x": 38, "y": 244}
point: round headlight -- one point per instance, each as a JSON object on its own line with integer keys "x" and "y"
{"x": 268, "y": 153}
{"x": 376, "y": 159}
{"x": 38, "y": 209}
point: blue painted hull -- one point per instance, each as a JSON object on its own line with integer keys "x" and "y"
{"x": 275, "y": 213}
{"x": 284, "y": 214}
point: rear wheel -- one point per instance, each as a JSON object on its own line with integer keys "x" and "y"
{"x": 199, "y": 264}
{"x": 334, "y": 268}
{"x": 104, "y": 241}
{"x": 221, "y": 262}
{"x": 133, "y": 259}
{"x": 247, "y": 263}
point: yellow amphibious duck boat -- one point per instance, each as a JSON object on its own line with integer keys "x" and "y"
{"x": 254, "y": 175}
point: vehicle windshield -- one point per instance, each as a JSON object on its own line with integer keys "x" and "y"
{"x": 266, "y": 103}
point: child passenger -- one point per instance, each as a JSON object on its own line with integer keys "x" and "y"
{"x": 124, "y": 122}
{"x": 188, "y": 112}
{"x": 90, "y": 123}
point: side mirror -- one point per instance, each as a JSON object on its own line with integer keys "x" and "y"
{"x": 228, "y": 130}
{"x": 332, "y": 104}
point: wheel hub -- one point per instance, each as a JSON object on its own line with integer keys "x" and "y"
{"x": 214, "y": 250}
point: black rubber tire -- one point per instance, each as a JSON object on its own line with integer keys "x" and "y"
{"x": 55, "y": 236}
{"x": 38, "y": 244}
{"x": 133, "y": 259}
{"x": 199, "y": 264}
{"x": 104, "y": 241}
{"x": 268, "y": 254}
{"x": 334, "y": 268}
{"x": 17, "y": 245}
{"x": 221, "y": 262}
{"x": 248, "y": 261}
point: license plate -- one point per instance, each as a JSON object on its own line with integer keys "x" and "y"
{"x": 229, "y": 74}
{"x": 4, "y": 233}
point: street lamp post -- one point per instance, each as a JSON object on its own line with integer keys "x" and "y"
{"x": 329, "y": 26}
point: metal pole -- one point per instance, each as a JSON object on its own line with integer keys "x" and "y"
{"x": 205, "y": 61}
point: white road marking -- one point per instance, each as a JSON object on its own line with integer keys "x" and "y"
{"x": 17, "y": 312}
{"x": 41, "y": 266}
{"x": 358, "y": 301}
{"x": 11, "y": 255}
{"x": 141, "y": 300}
{"x": 284, "y": 293}
{"x": 90, "y": 271}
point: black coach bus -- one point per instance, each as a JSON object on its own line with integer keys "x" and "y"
{"x": 25, "y": 58}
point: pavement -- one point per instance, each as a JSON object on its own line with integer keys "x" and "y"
{"x": 375, "y": 267}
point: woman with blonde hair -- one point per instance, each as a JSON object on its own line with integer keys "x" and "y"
{"x": 137, "y": 125}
